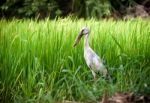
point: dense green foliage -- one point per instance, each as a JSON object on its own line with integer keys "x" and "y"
{"x": 53, "y": 8}
{"x": 39, "y": 64}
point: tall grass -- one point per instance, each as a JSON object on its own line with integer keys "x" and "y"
{"x": 39, "y": 64}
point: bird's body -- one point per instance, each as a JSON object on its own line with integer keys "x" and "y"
{"x": 93, "y": 61}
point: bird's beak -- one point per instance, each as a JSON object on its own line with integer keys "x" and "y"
{"x": 78, "y": 39}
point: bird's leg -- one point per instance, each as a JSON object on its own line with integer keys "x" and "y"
{"x": 94, "y": 74}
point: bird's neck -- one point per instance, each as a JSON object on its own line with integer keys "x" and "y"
{"x": 86, "y": 43}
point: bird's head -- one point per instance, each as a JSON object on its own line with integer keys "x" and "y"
{"x": 83, "y": 31}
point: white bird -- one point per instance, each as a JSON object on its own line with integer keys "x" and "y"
{"x": 93, "y": 61}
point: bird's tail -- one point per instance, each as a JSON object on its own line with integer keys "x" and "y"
{"x": 109, "y": 77}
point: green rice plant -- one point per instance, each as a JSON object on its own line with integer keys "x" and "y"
{"x": 39, "y": 64}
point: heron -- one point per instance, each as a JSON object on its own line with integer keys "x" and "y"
{"x": 92, "y": 60}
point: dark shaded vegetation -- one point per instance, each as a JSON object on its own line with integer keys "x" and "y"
{"x": 79, "y": 8}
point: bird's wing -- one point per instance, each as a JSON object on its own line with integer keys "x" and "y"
{"x": 97, "y": 63}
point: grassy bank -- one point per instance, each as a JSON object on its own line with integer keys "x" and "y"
{"x": 39, "y": 64}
